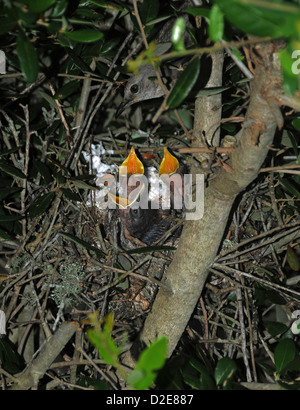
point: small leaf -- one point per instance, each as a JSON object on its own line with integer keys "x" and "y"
{"x": 10, "y": 218}
{"x": 72, "y": 196}
{"x": 261, "y": 18}
{"x": 291, "y": 189}
{"x": 28, "y": 57}
{"x": 84, "y": 36}
{"x": 275, "y": 328}
{"x": 4, "y": 235}
{"x": 85, "y": 68}
{"x": 184, "y": 84}
{"x": 37, "y": 6}
{"x": 149, "y": 10}
{"x": 206, "y": 381}
{"x": 9, "y": 151}
{"x": 151, "y": 359}
{"x": 41, "y": 204}
{"x": 82, "y": 243}
{"x": 81, "y": 184}
{"x": 292, "y": 259}
{"x": 284, "y": 353}
{"x": 198, "y": 11}
{"x": 216, "y": 24}
{"x": 224, "y": 371}
{"x": 43, "y": 170}
{"x": 178, "y": 34}
{"x": 275, "y": 297}
{"x": 296, "y": 124}
{"x": 5, "y": 192}
{"x": 11, "y": 170}
{"x": 102, "y": 339}
{"x": 115, "y": 5}
{"x": 67, "y": 89}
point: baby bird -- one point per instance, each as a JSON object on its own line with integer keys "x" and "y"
{"x": 145, "y": 225}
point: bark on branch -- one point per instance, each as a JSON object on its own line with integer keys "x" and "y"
{"x": 51, "y": 349}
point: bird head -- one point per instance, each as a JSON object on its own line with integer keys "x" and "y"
{"x": 140, "y": 87}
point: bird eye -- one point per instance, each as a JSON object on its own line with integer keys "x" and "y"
{"x": 134, "y": 88}
{"x": 135, "y": 212}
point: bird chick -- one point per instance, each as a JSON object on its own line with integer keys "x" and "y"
{"x": 146, "y": 225}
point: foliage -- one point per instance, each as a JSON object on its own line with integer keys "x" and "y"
{"x": 150, "y": 360}
{"x": 67, "y": 63}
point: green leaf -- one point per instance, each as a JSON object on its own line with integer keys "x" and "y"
{"x": 291, "y": 189}
{"x": 116, "y": 5}
{"x": 81, "y": 184}
{"x": 261, "y": 17}
{"x": 151, "y": 359}
{"x": 10, "y": 218}
{"x": 275, "y": 328}
{"x": 9, "y": 151}
{"x": 82, "y": 243}
{"x": 59, "y": 8}
{"x": 275, "y": 297}
{"x": 178, "y": 34}
{"x": 10, "y": 359}
{"x": 6, "y": 25}
{"x": 4, "y": 235}
{"x": 37, "y": 6}
{"x": 292, "y": 138}
{"x": 205, "y": 380}
{"x": 296, "y": 124}
{"x": 216, "y": 24}
{"x": 184, "y": 84}
{"x": 85, "y": 68}
{"x": 5, "y": 192}
{"x": 293, "y": 365}
{"x": 284, "y": 353}
{"x": 28, "y": 57}
{"x": 11, "y": 170}
{"x": 43, "y": 170}
{"x": 149, "y": 10}
{"x": 84, "y": 36}
{"x": 72, "y": 196}
{"x": 67, "y": 89}
{"x": 41, "y": 204}
{"x": 198, "y": 11}
{"x": 292, "y": 259}
{"x": 101, "y": 338}
{"x": 224, "y": 371}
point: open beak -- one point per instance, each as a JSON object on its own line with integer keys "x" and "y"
{"x": 131, "y": 166}
{"x": 169, "y": 164}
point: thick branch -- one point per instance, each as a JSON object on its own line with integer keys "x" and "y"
{"x": 51, "y": 349}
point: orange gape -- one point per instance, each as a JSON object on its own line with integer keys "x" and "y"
{"x": 147, "y": 225}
